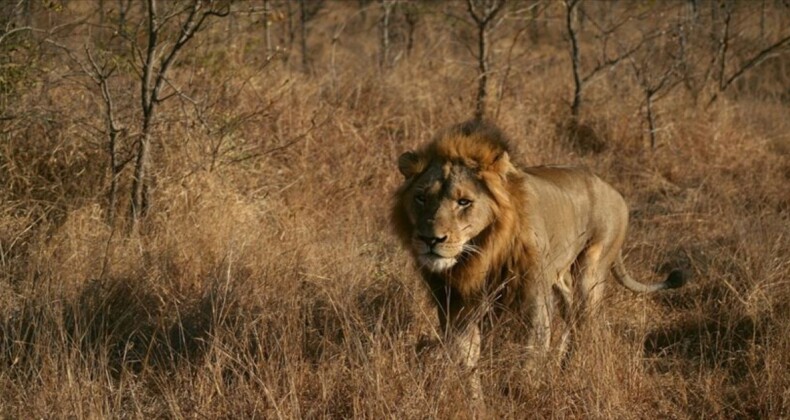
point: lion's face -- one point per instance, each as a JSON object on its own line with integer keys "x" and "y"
{"x": 448, "y": 207}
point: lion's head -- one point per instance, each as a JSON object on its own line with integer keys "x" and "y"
{"x": 453, "y": 195}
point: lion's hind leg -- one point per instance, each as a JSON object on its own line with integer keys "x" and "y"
{"x": 582, "y": 290}
{"x": 590, "y": 271}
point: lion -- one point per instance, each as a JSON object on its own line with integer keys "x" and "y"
{"x": 486, "y": 234}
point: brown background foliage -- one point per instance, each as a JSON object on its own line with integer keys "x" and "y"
{"x": 264, "y": 280}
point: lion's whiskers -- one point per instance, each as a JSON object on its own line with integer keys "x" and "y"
{"x": 468, "y": 250}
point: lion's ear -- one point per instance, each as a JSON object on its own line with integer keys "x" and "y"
{"x": 501, "y": 164}
{"x": 410, "y": 164}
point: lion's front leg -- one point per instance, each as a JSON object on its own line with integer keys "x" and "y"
{"x": 459, "y": 320}
{"x": 464, "y": 346}
{"x": 540, "y": 309}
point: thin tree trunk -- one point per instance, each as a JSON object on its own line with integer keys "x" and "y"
{"x": 303, "y": 22}
{"x": 651, "y": 120}
{"x": 694, "y": 10}
{"x": 101, "y": 13}
{"x": 575, "y": 57}
{"x": 579, "y": 16}
{"x": 140, "y": 173}
{"x": 112, "y": 199}
{"x": 267, "y": 36}
{"x": 113, "y": 131}
{"x": 483, "y": 69}
{"x": 411, "y": 25}
{"x": 483, "y": 13}
{"x": 762, "y": 19}
{"x": 534, "y": 32}
{"x": 147, "y": 98}
{"x": 27, "y": 12}
{"x": 123, "y": 11}
{"x": 385, "y": 33}
{"x": 101, "y": 76}
{"x": 291, "y": 35}
{"x": 723, "y": 45}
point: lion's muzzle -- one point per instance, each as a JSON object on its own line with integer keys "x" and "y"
{"x": 431, "y": 241}
{"x": 434, "y": 253}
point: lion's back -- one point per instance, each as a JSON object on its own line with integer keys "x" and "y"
{"x": 576, "y": 182}
{"x": 569, "y": 206}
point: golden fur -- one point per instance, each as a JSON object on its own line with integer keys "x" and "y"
{"x": 487, "y": 233}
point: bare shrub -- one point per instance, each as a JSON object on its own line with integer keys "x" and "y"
{"x": 265, "y": 282}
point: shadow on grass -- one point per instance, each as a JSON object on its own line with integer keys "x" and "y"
{"x": 345, "y": 326}
{"x": 721, "y": 343}
{"x": 121, "y": 324}
{"x": 715, "y": 332}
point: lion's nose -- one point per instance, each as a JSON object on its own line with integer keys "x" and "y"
{"x": 433, "y": 240}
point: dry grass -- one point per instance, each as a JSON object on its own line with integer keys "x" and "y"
{"x": 265, "y": 282}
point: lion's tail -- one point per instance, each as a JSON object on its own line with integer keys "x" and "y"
{"x": 675, "y": 279}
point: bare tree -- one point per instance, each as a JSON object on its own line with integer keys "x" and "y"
{"x": 762, "y": 19}
{"x": 27, "y": 9}
{"x": 724, "y": 43}
{"x": 308, "y": 9}
{"x": 483, "y": 13}
{"x": 529, "y": 14}
{"x": 535, "y": 24}
{"x": 729, "y": 44}
{"x": 267, "y": 33}
{"x": 100, "y": 74}
{"x": 654, "y": 80}
{"x": 386, "y": 7}
{"x": 411, "y": 15}
{"x": 158, "y": 57}
{"x": 754, "y": 60}
{"x": 124, "y": 8}
{"x": 605, "y": 32}
{"x": 570, "y": 17}
{"x": 291, "y": 30}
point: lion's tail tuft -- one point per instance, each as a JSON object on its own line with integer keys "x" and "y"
{"x": 676, "y": 279}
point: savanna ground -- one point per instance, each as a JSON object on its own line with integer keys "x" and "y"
{"x": 262, "y": 280}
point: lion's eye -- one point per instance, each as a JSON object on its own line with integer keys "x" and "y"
{"x": 464, "y": 202}
{"x": 420, "y": 199}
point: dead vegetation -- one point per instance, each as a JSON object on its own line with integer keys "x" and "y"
{"x": 263, "y": 280}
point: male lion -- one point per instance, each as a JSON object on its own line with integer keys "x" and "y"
{"x": 486, "y": 233}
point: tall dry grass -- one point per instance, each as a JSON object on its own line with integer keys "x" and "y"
{"x": 265, "y": 282}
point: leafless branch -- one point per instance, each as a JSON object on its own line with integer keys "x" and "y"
{"x": 153, "y": 79}
{"x": 294, "y": 140}
{"x": 16, "y": 30}
{"x": 101, "y": 75}
{"x": 748, "y": 64}
{"x": 651, "y": 86}
{"x": 724, "y": 44}
{"x": 581, "y": 80}
{"x": 508, "y": 67}
{"x": 483, "y": 12}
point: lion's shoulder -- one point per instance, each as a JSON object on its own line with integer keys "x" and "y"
{"x": 558, "y": 171}
{"x": 563, "y": 177}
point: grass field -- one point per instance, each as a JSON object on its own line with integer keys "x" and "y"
{"x": 264, "y": 280}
